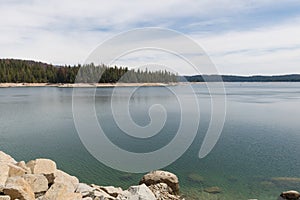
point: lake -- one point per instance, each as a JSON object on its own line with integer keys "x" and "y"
{"x": 259, "y": 142}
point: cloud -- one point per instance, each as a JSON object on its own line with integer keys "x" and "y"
{"x": 268, "y": 50}
{"x": 241, "y": 36}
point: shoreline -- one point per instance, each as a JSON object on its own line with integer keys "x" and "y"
{"x": 84, "y": 85}
{"x": 105, "y": 85}
{"x": 41, "y": 179}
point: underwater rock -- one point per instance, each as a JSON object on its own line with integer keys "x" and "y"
{"x": 196, "y": 178}
{"x": 290, "y": 195}
{"x": 213, "y": 190}
{"x": 286, "y": 181}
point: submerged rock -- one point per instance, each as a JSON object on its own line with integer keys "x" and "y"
{"x": 267, "y": 184}
{"x": 286, "y": 181}
{"x": 232, "y": 179}
{"x": 290, "y": 195}
{"x": 213, "y": 190}
{"x": 196, "y": 178}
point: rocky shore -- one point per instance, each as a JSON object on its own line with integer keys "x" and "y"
{"x": 40, "y": 179}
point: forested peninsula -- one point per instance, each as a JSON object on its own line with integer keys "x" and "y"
{"x": 24, "y": 71}
{"x": 27, "y": 71}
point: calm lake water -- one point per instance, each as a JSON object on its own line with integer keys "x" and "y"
{"x": 260, "y": 139}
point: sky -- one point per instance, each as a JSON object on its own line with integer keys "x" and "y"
{"x": 242, "y": 37}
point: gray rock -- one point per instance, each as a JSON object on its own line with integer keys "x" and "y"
{"x": 141, "y": 192}
{"x": 113, "y": 191}
{"x": 101, "y": 195}
{"x": 159, "y": 176}
{"x": 84, "y": 189}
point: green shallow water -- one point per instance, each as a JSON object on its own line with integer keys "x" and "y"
{"x": 260, "y": 139}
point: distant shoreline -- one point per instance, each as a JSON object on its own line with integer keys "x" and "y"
{"x": 106, "y": 85}
{"x": 83, "y": 85}
{"x": 21, "y": 73}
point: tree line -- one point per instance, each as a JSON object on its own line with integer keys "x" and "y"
{"x": 24, "y": 71}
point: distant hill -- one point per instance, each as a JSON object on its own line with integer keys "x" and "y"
{"x": 232, "y": 78}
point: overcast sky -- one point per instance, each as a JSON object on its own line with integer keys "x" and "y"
{"x": 240, "y": 36}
